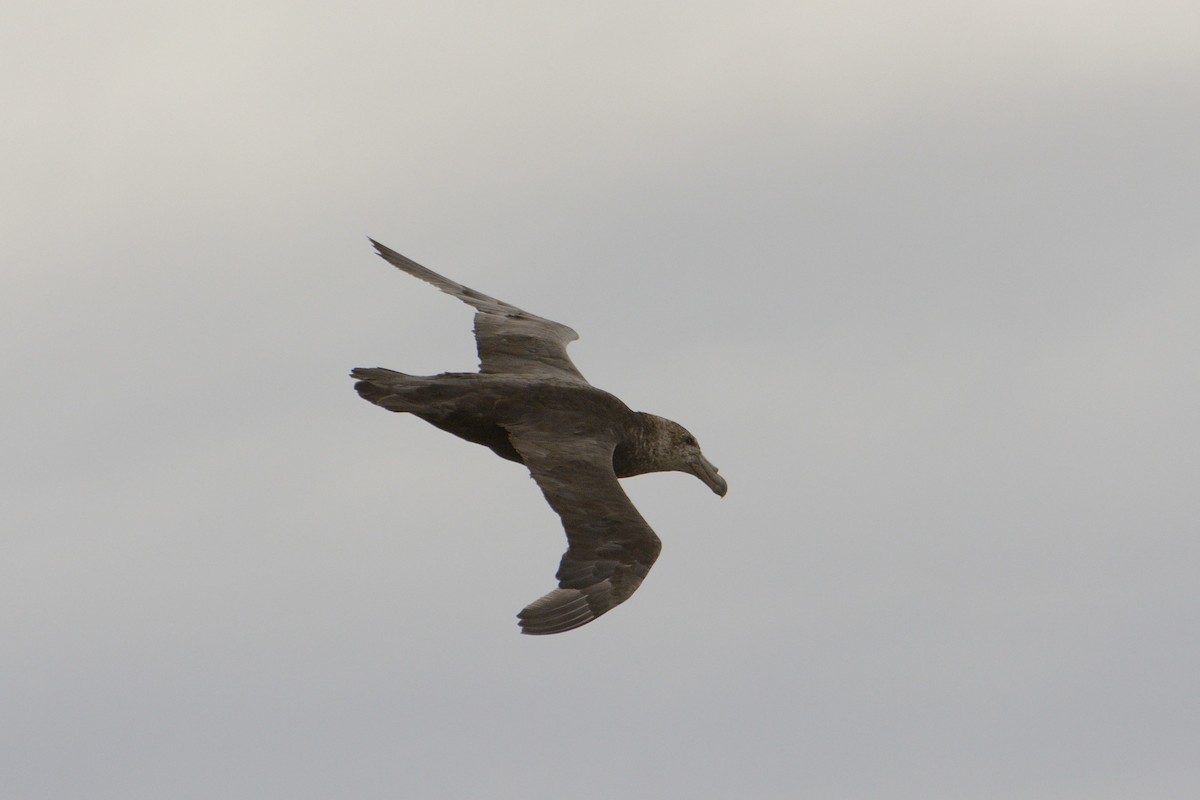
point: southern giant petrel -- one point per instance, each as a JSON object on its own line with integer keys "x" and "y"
{"x": 529, "y": 404}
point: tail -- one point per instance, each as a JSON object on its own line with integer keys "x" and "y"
{"x": 387, "y": 388}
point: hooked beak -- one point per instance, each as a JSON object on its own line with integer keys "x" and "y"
{"x": 703, "y": 469}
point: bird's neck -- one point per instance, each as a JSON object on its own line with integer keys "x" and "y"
{"x": 640, "y": 450}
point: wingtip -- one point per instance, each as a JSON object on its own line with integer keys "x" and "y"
{"x": 534, "y": 629}
{"x": 559, "y": 611}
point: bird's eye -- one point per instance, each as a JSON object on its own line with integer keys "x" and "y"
{"x": 689, "y": 440}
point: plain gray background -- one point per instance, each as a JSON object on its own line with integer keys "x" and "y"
{"x": 921, "y": 276}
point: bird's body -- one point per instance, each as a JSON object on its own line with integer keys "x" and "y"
{"x": 529, "y": 404}
{"x": 477, "y": 407}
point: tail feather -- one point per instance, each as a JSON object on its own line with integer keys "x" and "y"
{"x": 385, "y": 387}
{"x": 377, "y": 374}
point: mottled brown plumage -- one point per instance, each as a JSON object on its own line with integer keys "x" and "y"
{"x": 528, "y": 403}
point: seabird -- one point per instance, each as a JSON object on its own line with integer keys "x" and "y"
{"x": 528, "y": 403}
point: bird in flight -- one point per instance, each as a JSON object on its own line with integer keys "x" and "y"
{"x": 528, "y": 403}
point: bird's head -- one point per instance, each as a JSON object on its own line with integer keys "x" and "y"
{"x": 675, "y": 448}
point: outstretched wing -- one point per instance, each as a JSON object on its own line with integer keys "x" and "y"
{"x": 610, "y": 548}
{"x": 509, "y": 341}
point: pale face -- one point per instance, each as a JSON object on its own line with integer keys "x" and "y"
{"x": 683, "y": 455}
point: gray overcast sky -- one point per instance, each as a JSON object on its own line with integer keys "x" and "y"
{"x": 923, "y": 277}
